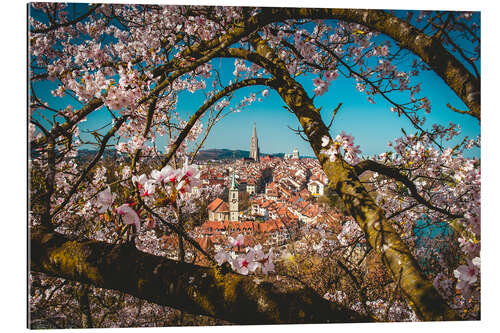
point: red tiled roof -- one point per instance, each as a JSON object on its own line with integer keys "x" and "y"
{"x": 205, "y": 243}
{"x": 222, "y": 208}
{"x": 213, "y": 225}
{"x": 214, "y": 204}
{"x": 266, "y": 204}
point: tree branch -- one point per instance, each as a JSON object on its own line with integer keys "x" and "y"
{"x": 396, "y": 175}
{"x": 57, "y": 26}
{"x": 194, "y": 289}
{"x": 194, "y": 118}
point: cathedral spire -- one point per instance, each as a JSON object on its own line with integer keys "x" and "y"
{"x": 254, "y": 145}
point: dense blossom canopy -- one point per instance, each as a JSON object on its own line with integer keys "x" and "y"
{"x": 131, "y": 62}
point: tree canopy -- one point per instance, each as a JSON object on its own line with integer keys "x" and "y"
{"x": 116, "y": 75}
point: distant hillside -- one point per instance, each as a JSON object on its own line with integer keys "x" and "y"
{"x": 85, "y": 155}
{"x": 221, "y": 154}
{"x": 90, "y": 153}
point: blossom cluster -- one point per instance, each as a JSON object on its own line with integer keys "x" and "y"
{"x": 450, "y": 181}
{"x": 321, "y": 86}
{"x": 254, "y": 258}
{"x": 172, "y": 181}
{"x": 183, "y": 179}
{"x": 467, "y": 275}
{"x": 344, "y": 141}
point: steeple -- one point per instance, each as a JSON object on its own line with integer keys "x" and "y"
{"x": 233, "y": 182}
{"x": 254, "y": 145}
{"x": 233, "y": 198}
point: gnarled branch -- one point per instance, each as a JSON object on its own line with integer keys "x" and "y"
{"x": 195, "y": 289}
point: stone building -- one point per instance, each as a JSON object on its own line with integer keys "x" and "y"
{"x": 233, "y": 199}
{"x": 254, "y": 145}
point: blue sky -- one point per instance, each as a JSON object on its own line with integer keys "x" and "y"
{"x": 372, "y": 125}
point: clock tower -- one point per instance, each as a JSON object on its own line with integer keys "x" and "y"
{"x": 233, "y": 199}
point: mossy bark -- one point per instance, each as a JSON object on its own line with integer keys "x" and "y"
{"x": 194, "y": 289}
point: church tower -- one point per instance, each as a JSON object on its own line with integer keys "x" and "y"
{"x": 233, "y": 199}
{"x": 254, "y": 145}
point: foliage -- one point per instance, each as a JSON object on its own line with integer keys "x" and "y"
{"x": 133, "y": 62}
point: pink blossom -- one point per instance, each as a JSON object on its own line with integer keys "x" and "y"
{"x": 331, "y": 75}
{"x": 325, "y": 141}
{"x": 466, "y": 275}
{"x": 476, "y": 262}
{"x": 190, "y": 177}
{"x": 245, "y": 263}
{"x": 160, "y": 176}
{"x": 149, "y": 188}
{"x": 140, "y": 181}
{"x": 221, "y": 257}
{"x": 321, "y": 86}
{"x": 105, "y": 200}
{"x": 236, "y": 242}
{"x": 265, "y": 261}
{"x": 129, "y": 215}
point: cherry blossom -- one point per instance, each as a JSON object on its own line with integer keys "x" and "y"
{"x": 140, "y": 181}
{"x": 118, "y": 56}
{"x": 466, "y": 275}
{"x": 237, "y": 242}
{"x": 105, "y": 200}
{"x": 167, "y": 173}
{"x": 129, "y": 215}
{"x": 149, "y": 188}
{"x": 245, "y": 264}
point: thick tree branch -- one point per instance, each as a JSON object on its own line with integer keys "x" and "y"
{"x": 194, "y": 289}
